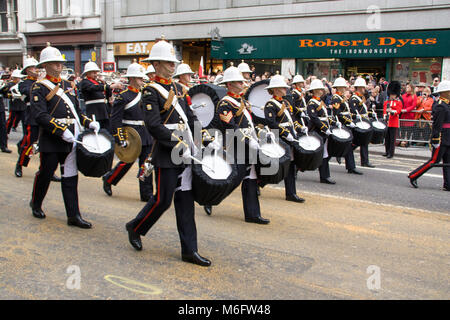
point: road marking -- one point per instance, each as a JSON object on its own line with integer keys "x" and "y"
{"x": 431, "y": 175}
{"x": 443, "y": 216}
{"x": 153, "y": 290}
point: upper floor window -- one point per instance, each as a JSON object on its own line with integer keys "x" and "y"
{"x": 4, "y": 15}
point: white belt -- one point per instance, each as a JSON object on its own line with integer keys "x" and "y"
{"x": 66, "y": 121}
{"x": 134, "y": 122}
{"x": 173, "y": 126}
{"x": 323, "y": 118}
{"x": 28, "y": 104}
{"x": 95, "y": 101}
{"x": 285, "y": 124}
{"x": 345, "y": 113}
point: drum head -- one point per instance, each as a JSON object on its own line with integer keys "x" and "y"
{"x": 379, "y": 125}
{"x": 363, "y": 125}
{"x": 94, "y": 145}
{"x": 341, "y": 133}
{"x": 309, "y": 143}
{"x": 273, "y": 150}
{"x": 258, "y": 96}
{"x": 208, "y": 94}
{"x": 222, "y": 170}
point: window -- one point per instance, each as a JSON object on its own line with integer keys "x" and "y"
{"x": 57, "y": 7}
{"x": 14, "y": 13}
{"x": 3, "y": 16}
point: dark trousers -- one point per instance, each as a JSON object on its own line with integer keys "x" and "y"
{"x": 26, "y": 145}
{"x": 13, "y": 120}
{"x": 145, "y": 187}
{"x": 363, "y": 152}
{"x": 438, "y": 154}
{"x": 250, "y": 201}
{"x": 105, "y": 124}
{"x": 289, "y": 181}
{"x": 324, "y": 169}
{"x": 167, "y": 180}
{"x": 350, "y": 161}
{"x": 69, "y": 186}
{"x": 3, "y": 134}
{"x": 389, "y": 141}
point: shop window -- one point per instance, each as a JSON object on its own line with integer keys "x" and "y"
{"x": 417, "y": 70}
{"x": 325, "y": 68}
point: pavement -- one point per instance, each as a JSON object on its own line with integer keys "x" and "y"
{"x": 339, "y": 244}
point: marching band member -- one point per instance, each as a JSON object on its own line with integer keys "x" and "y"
{"x": 165, "y": 117}
{"x": 3, "y": 134}
{"x": 320, "y": 123}
{"x": 357, "y": 106}
{"x": 279, "y": 115}
{"x": 341, "y": 109}
{"x": 247, "y": 74}
{"x": 184, "y": 74}
{"x": 150, "y": 73}
{"x": 391, "y": 110}
{"x": 96, "y": 94}
{"x": 56, "y": 108}
{"x": 17, "y": 106}
{"x": 440, "y": 138}
{"x": 234, "y": 113}
{"x": 127, "y": 112}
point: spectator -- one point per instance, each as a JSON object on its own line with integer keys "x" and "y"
{"x": 409, "y": 105}
{"x": 424, "y": 108}
{"x": 391, "y": 110}
{"x": 435, "y": 84}
{"x": 374, "y": 103}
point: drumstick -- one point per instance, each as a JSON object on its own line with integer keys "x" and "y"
{"x": 96, "y": 135}
{"x": 190, "y": 156}
{"x": 86, "y": 145}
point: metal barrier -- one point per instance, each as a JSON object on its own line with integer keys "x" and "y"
{"x": 415, "y": 131}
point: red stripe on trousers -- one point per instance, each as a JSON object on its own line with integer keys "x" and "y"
{"x": 26, "y": 138}
{"x": 116, "y": 172}
{"x": 428, "y": 164}
{"x": 156, "y": 203}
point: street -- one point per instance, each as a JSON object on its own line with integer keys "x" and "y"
{"x": 371, "y": 227}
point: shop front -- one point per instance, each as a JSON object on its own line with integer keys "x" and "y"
{"x": 415, "y": 56}
{"x": 127, "y": 52}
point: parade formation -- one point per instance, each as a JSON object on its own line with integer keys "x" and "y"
{"x": 196, "y": 143}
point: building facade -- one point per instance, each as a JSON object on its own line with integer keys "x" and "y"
{"x": 12, "y": 45}
{"x": 397, "y": 39}
{"x": 72, "y": 26}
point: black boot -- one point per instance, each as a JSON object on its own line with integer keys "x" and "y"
{"x": 18, "y": 171}
{"x": 195, "y": 258}
{"x": 37, "y": 212}
{"x": 69, "y": 187}
{"x": 55, "y": 178}
{"x": 106, "y": 186}
{"x": 208, "y": 210}
{"x": 133, "y": 237}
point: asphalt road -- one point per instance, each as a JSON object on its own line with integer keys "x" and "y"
{"x": 368, "y": 237}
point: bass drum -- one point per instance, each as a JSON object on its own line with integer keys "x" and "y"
{"x": 273, "y": 163}
{"x": 362, "y": 133}
{"x": 95, "y": 156}
{"x": 215, "y": 179}
{"x": 308, "y": 152}
{"x": 339, "y": 141}
{"x": 207, "y": 94}
{"x": 257, "y": 96}
{"x": 379, "y": 132}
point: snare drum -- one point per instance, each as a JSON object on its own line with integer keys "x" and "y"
{"x": 95, "y": 156}
{"x": 273, "y": 164}
{"x": 308, "y": 152}
{"x": 339, "y": 142}
{"x": 362, "y": 133}
{"x": 379, "y": 132}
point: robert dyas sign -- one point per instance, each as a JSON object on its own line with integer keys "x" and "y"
{"x": 434, "y": 43}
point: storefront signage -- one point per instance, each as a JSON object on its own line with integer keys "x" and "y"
{"x": 352, "y": 45}
{"x": 133, "y": 48}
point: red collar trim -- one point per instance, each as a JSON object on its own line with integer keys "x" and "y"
{"x": 318, "y": 99}
{"x": 447, "y": 101}
{"x": 359, "y": 94}
{"x": 278, "y": 98}
{"x": 162, "y": 80}
{"x": 236, "y": 96}
{"x": 92, "y": 80}
{"x": 133, "y": 89}
{"x": 31, "y": 78}
{"x": 53, "y": 79}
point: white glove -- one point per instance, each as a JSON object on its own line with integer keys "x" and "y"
{"x": 328, "y": 132}
{"x": 253, "y": 144}
{"x": 94, "y": 125}
{"x": 352, "y": 125}
{"x": 304, "y": 129}
{"x": 123, "y": 144}
{"x": 435, "y": 146}
{"x": 187, "y": 154}
{"x": 290, "y": 138}
{"x": 68, "y": 136}
{"x": 215, "y": 145}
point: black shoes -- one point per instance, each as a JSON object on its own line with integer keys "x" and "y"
{"x": 413, "y": 183}
{"x": 77, "y": 221}
{"x": 327, "y": 181}
{"x": 18, "y": 171}
{"x": 368, "y": 165}
{"x": 338, "y": 160}
{"x": 258, "y": 220}
{"x": 55, "y": 179}
{"x": 384, "y": 154}
{"x": 208, "y": 210}
{"x": 446, "y": 188}
{"x": 106, "y": 186}
{"x": 195, "y": 258}
{"x": 354, "y": 171}
{"x": 295, "y": 198}
{"x": 6, "y": 150}
{"x": 389, "y": 156}
{"x": 37, "y": 212}
{"x": 133, "y": 237}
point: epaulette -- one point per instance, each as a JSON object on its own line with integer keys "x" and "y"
{"x": 123, "y": 91}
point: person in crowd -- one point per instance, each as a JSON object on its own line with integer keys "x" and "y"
{"x": 424, "y": 108}
{"x": 391, "y": 110}
{"x": 409, "y": 105}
